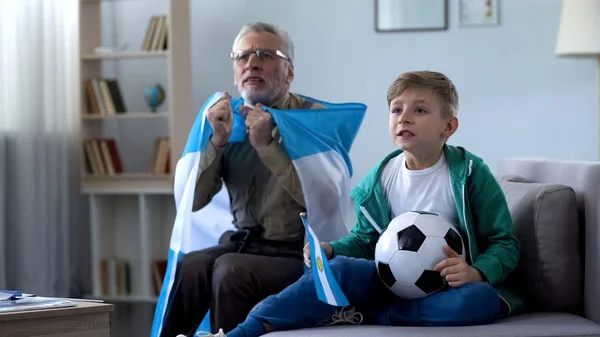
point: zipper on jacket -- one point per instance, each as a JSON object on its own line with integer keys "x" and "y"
{"x": 465, "y": 220}
{"x": 468, "y": 236}
{"x": 370, "y": 219}
{"x": 465, "y": 212}
{"x": 507, "y": 304}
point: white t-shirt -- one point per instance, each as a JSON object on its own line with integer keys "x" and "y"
{"x": 426, "y": 190}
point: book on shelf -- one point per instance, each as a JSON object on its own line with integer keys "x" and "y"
{"x": 156, "y": 34}
{"x": 161, "y": 163}
{"x": 102, "y": 157}
{"x": 159, "y": 269}
{"x": 115, "y": 278}
{"x": 104, "y": 96}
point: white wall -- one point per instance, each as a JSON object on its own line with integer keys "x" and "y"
{"x": 517, "y": 97}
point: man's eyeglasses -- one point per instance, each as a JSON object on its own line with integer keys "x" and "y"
{"x": 262, "y": 54}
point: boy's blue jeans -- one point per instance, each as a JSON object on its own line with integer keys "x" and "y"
{"x": 297, "y": 306}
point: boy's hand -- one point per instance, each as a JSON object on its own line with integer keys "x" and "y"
{"x": 326, "y": 248}
{"x": 456, "y": 271}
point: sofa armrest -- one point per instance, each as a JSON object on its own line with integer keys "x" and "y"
{"x": 584, "y": 178}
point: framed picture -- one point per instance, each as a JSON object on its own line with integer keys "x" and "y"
{"x": 477, "y": 13}
{"x": 410, "y": 15}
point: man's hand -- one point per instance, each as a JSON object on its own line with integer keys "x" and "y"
{"x": 455, "y": 270}
{"x": 221, "y": 120}
{"x": 326, "y": 248}
{"x": 259, "y": 124}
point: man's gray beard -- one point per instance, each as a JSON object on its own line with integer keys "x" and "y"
{"x": 264, "y": 99}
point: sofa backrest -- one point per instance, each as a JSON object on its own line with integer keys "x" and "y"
{"x": 556, "y": 179}
{"x": 549, "y": 273}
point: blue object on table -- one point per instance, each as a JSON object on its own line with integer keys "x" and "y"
{"x": 9, "y": 295}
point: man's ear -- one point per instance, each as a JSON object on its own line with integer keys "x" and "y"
{"x": 290, "y": 74}
{"x": 451, "y": 126}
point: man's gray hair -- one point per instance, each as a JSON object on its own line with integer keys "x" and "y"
{"x": 262, "y": 27}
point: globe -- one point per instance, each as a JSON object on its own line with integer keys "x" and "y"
{"x": 155, "y": 96}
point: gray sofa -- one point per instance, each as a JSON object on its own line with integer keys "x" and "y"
{"x": 555, "y": 206}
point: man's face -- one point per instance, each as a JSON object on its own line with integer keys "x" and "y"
{"x": 262, "y": 79}
{"x": 417, "y": 123}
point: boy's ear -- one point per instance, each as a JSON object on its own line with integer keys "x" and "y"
{"x": 451, "y": 126}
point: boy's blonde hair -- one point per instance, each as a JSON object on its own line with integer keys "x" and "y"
{"x": 438, "y": 82}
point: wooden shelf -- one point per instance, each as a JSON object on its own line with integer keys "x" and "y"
{"x": 128, "y": 183}
{"x": 124, "y": 55}
{"x": 127, "y": 115}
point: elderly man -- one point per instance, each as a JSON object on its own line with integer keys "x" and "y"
{"x": 265, "y": 254}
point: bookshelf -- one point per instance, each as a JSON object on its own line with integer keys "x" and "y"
{"x": 128, "y": 152}
{"x": 125, "y": 55}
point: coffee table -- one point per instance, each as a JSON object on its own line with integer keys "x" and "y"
{"x": 90, "y": 319}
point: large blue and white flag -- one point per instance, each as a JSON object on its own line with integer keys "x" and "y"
{"x": 318, "y": 142}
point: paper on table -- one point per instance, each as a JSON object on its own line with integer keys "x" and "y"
{"x": 34, "y": 303}
{"x": 12, "y": 295}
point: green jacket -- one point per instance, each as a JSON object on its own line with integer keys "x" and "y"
{"x": 482, "y": 210}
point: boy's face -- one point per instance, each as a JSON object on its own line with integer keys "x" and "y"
{"x": 417, "y": 125}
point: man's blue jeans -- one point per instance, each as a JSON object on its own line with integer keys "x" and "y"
{"x": 297, "y": 306}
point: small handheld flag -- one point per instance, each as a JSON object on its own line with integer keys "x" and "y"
{"x": 328, "y": 290}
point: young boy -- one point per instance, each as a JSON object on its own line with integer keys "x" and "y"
{"x": 425, "y": 174}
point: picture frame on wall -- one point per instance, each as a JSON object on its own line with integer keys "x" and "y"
{"x": 411, "y": 15}
{"x": 478, "y": 13}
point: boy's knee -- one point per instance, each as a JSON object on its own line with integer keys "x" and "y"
{"x": 343, "y": 266}
{"x": 478, "y": 298}
{"x": 480, "y": 291}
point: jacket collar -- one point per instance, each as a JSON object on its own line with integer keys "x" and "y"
{"x": 456, "y": 157}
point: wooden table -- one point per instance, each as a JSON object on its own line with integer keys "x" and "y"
{"x": 90, "y": 319}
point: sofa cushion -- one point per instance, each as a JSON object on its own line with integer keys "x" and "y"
{"x": 548, "y": 276}
{"x": 515, "y": 178}
{"x": 546, "y": 324}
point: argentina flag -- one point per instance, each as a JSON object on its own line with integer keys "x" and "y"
{"x": 318, "y": 141}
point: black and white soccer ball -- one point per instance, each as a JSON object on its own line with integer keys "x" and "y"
{"x": 408, "y": 249}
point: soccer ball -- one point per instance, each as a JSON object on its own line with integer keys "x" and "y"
{"x": 408, "y": 249}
